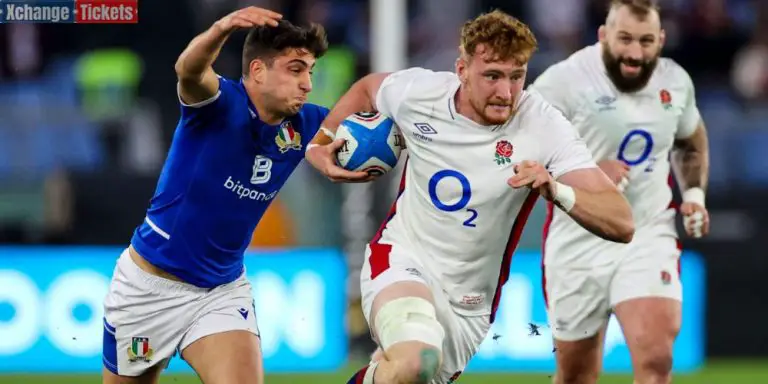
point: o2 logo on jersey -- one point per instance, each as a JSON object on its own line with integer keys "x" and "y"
{"x": 262, "y": 170}
{"x": 466, "y": 194}
{"x": 645, "y": 155}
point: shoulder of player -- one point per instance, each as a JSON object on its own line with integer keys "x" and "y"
{"x": 314, "y": 109}
{"x": 312, "y": 115}
{"x": 533, "y": 104}
{"x": 426, "y": 83}
{"x": 570, "y": 70}
{"x": 233, "y": 92}
{"x": 227, "y": 84}
{"x": 669, "y": 70}
{"x": 535, "y": 112}
{"x": 583, "y": 60}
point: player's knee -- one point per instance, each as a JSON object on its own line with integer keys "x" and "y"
{"x": 576, "y": 376}
{"x": 577, "y": 371}
{"x": 408, "y": 330}
{"x": 419, "y": 366}
{"x": 657, "y": 363}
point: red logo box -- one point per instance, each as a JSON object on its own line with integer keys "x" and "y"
{"x": 107, "y": 11}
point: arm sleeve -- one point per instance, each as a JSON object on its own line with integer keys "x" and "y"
{"x": 567, "y": 151}
{"x": 690, "y": 118}
{"x": 554, "y": 89}
{"x": 313, "y": 122}
{"x": 208, "y": 109}
{"x": 394, "y": 90}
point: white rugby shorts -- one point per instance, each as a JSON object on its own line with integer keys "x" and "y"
{"x": 388, "y": 264}
{"x": 148, "y": 319}
{"x": 580, "y": 300}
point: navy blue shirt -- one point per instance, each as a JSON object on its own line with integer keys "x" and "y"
{"x": 224, "y": 168}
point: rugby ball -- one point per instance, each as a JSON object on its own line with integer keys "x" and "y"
{"x": 372, "y": 143}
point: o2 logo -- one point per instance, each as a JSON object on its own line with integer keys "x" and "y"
{"x": 645, "y": 155}
{"x": 466, "y": 194}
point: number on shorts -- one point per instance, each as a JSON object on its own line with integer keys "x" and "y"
{"x": 466, "y": 195}
{"x": 644, "y": 156}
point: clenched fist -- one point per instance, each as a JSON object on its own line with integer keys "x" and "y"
{"x": 695, "y": 219}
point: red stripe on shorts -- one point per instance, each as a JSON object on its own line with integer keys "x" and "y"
{"x": 514, "y": 240}
{"x": 676, "y": 206}
{"x": 379, "y": 258}
{"x": 544, "y": 236}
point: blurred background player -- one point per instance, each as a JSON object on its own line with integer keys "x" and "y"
{"x": 432, "y": 276}
{"x": 632, "y": 108}
{"x": 181, "y": 286}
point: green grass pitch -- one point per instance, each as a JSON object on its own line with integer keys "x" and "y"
{"x": 715, "y": 372}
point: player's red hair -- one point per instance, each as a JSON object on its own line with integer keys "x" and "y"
{"x": 505, "y": 36}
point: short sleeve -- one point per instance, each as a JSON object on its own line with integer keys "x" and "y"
{"x": 314, "y": 115}
{"x": 690, "y": 118}
{"x": 216, "y": 105}
{"x": 394, "y": 89}
{"x": 567, "y": 150}
{"x": 553, "y": 88}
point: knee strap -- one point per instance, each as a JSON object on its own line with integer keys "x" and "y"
{"x": 409, "y": 319}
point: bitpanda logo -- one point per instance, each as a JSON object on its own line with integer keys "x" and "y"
{"x": 244, "y": 192}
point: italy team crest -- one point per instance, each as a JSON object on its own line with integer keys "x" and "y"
{"x": 140, "y": 350}
{"x": 287, "y": 138}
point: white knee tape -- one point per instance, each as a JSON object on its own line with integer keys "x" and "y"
{"x": 408, "y": 319}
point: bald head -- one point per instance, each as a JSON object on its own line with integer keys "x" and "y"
{"x": 631, "y": 40}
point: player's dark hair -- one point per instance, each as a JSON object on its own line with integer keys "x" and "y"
{"x": 266, "y": 42}
{"x": 639, "y": 8}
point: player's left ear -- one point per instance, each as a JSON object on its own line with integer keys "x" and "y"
{"x": 662, "y": 37}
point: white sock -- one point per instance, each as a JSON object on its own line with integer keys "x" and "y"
{"x": 368, "y": 378}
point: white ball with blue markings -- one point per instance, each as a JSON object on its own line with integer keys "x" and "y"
{"x": 373, "y": 143}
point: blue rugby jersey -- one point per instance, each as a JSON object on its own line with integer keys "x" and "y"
{"x": 224, "y": 168}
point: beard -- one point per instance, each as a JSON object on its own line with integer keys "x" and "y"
{"x": 624, "y": 83}
{"x": 491, "y": 117}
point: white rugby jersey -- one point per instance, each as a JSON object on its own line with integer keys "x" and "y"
{"x": 456, "y": 214}
{"x": 639, "y": 128}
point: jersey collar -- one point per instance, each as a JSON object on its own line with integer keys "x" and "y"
{"x": 251, "y": 108}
